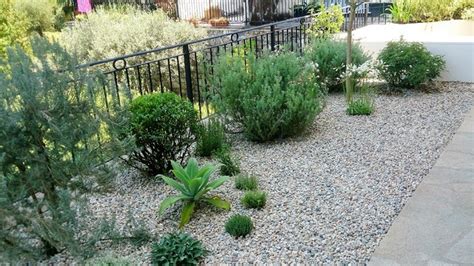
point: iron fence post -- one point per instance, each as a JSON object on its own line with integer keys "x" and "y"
{"x": 187, "y": 73}
{"x": 272, "y": 37}
{"x": 366, "y": 8}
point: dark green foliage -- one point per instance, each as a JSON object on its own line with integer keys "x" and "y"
{"x": 164, "y": 126}
{"x": 408, "y": 65}
{"x": 360, "y": 106}
{"x": 229, "y": 165}
{"x": 330, "y": 59}
{"x": 243, "y": 182}
{"x": 49, "y": 152}
{"x": 239, "y": 225}
{"x": 273, "y": 97}
{"x": 177, "y": 249}
{"x": 254, "y": 199}
{"x": 211, "y": 138}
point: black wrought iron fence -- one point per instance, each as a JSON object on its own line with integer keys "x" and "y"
{"x": 185, "y": 68}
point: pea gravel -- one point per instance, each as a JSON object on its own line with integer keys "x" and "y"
{"x": 332, "y": 193}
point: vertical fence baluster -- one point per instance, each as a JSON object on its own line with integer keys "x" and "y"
{"x": 170, "y": 76}
{"x": 129, "y": 89}
{"x": 139, "y": 80}
{"x": 197, "y": 85}
{"x": 150, "y": 80}
{"x": 160, "y": 76}
{"x": 272, "y": 37}
{"x": 187, "y": 73}
{"x": 117, "y": 87}
{"x": 179, "y": 76}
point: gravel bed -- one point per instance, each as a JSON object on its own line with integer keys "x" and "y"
{"x": 332, "y": 193}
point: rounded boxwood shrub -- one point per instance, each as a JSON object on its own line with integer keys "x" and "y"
{"x": 408, "y": 65}
{"x": 274, "y": 96}
{"x": 177, "y": 249}
{"x": 254, "y": 199}
{"x": 239, "y": 225}
{"x": 329, "y": 56}
{"x": 164, "y": 126}
{"x": 211, "y": 138}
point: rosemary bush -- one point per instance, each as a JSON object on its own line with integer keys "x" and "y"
{"x": 254, "y": 199}
{"x": 239, "y": 225}
{"x": 49, "y": 152}
{"x": 273, "y": 97}
{"x": 211, "y": 138}
{"x": 243, "y": 182}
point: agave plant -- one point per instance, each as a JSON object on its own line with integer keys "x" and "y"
{"x": 193, "y": 183}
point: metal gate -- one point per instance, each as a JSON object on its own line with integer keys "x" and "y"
{"x": 233, "y": 10}
{"x": 238, "y": 11}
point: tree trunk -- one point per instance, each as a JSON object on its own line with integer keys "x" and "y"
{"x": 349, "y": 83}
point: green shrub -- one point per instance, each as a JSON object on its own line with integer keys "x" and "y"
{"x": 13, "y": 29}
{"x": 362, "y": 106}
{"x": 273, "y": 97}
{"x": 468, "y": 14}
{"x": 409, "y": 11}
{"x": 246, "y": 182}
{"x": 177, "y": 249}
{"x": 330, "y": 59}
{"x": 229, "y": 165}
{"x": 239, "y": 225}
{"x": 254, "y": 199}
{"x": 327, "y": 22}
{"x": 211, "y": 138}
{"x": 164, "y": 126}
{"x": 408, "y": 65}
{"x": 120, "y": 30}
{"x": 40, "y": 13}
{"x": 193, "y": 185}
{"x": 459, "y": 7}
{"x": 50, "y": 156}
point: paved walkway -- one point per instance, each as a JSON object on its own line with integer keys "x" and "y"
{"x": 436, "y": 226}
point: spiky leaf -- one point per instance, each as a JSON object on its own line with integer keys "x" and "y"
{"x": 187, "y": 212}
{"x": 168, "y": 202}
{"x": 218, "y": 202}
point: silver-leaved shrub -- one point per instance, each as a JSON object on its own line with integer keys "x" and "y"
{"x": 120, "y": 30}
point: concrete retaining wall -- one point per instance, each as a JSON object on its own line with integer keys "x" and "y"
{"x": 454, "y": 40}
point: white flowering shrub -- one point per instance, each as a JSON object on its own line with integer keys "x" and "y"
{"x": 408, "y": 65}
{"x": 330, "y": 57}
{"x": 362, "y": 73}
{"x": 117, "y": 31}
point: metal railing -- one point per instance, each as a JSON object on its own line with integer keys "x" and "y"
{"x": 186, "y": 68}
